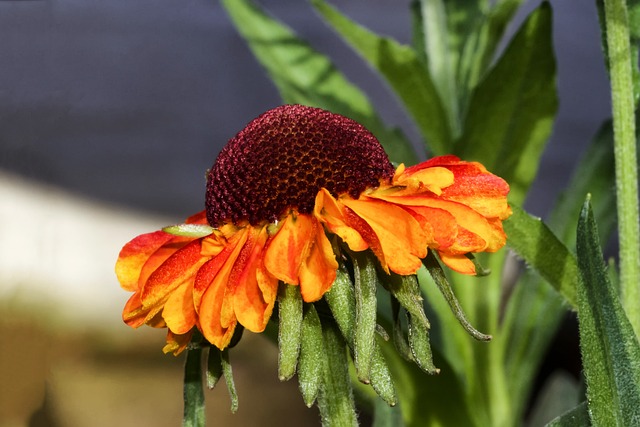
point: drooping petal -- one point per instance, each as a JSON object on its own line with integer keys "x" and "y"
{"x": 135, "y": 254}
{"x": 331, "y": 213}
{"x": 179, "y": 269}
{"x": 211, "y": 293}
{"x": 459, "y": 263}
{"x": 176, "y": 343}
{"x": 402, "y": 240}
{"x": 289, "y": 247}
{"x": 254, "y": 291}
{"x": 179, "y": 312}
{"x": 318, "y": 271}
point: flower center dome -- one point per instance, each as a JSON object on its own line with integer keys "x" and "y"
{"x": 282, "y": 159}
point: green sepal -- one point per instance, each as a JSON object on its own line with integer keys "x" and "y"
{"x": 406, "y": 290}
{"x": 366, "y": 279}
{"x": 342, "y": 303}
{"x": 214, "y": 367}
{"x": 381, "y": 380}
{"x": 335, "y": 400}
{"x": 228, "y": 377}
{"x": 399, "y": 340}
{"x": 420, "y": 346}
{"x": 189, "y": 230}
{"x": 435, "y": 269}
{"x": 290, "y": 329}
{"x": 311, "y": 356}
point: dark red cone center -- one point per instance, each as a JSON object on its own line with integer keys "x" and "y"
{"x": 281, "y": 159}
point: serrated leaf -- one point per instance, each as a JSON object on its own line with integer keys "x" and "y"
{"x": 511, "y": 112}
{"x": 404, "y": 72}
{"x": 609, "y": 346}
{"x": 532, "y": 240}
{"x": 305, "y": 76}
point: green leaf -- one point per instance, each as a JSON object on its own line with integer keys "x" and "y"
{"x": 485, "y": 31}
{"x": 304, "y": 76}
{"x": 577, "y": 417}
{"x": 404, "y": 72}
{"x": 594, "y": 174}
{"x": 511, "y": 112}
{"x": 290, "y": 330}
{"x": 609, "y": 347}
{"x": 531, "y": 239}
{"x": 194, "y": 415}
{"x": 311, "y": 356}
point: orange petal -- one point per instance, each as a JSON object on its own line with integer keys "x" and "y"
{"x": 401, "y": 238}
{"x": 330, "y": 212}
{"x": 459, "y": 263}
{"x": 252, "y": 306}
{"x": 199, "y": 218}
{"x": 439, "y": 226}
{"x": 318, "y": 271}
{"x": 176, "y": 343}
{"x": 289, "y": 247}
{"x": 179, "y": 312}
{"x": 135, "y": 254}
{"x": 210, "y": 293}
{"x": 179, "y": 269}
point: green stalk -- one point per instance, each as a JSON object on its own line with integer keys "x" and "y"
{"x": 620, "y": 66}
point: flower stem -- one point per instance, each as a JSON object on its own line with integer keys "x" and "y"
{"x": 620, "y": 67}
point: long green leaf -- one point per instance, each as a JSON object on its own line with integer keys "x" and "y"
{"x": 512, "y": 110}
{"x": 609, "y": 347}
{"x": 304, "y": 76}
{"x": 532, "y": 240}
{"x": 404, "y": 72}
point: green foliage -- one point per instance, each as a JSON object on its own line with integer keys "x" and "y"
{"x": 610, "y": 349}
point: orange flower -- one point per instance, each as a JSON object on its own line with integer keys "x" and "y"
{"x": 277, "y": 193}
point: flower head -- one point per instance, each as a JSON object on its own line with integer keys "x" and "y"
{"x": 292, "y": 182}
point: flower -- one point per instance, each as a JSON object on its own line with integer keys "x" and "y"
{"x": 293, "y": 181}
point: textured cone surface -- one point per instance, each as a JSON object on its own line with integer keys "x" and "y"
{"x": 281, "y": 159}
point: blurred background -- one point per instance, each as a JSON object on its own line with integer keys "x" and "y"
{"x": 110, "y": 113}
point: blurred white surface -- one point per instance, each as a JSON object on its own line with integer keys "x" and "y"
{"x": 58, "y": 250}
